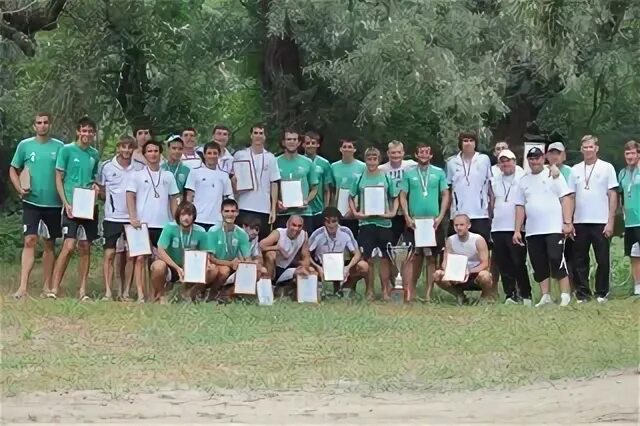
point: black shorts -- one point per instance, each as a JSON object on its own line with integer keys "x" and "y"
{"x": 246, "y": 215}
{"x": 478, "y": 226}
{"x": 353, "y": 226}
{"x": 206, "y": 226}
{"x": 70, "y": 227}
{"x": 371, "y": 237}
{"x": 397, "y": 227}
{"x": 111, "y": 231}
{"x": 172, "y": 275}
{"x": 631, "y": 237}
{"x": 154, "y": 236}
{"x": 409, "y": 238}
{"x": 50, "y": 216}
{"x": 546, "y": 253}
{"x": 279, "y": 271}
{"x": 470, "y": 284}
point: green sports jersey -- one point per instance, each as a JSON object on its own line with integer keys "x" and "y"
{"x": 629, "y": 185}
{"x": 40, "y": 158}
{"x": 229, "y": 245}
{"x": 179, "y": 171}
{"x": 566, "y": 172}
{"x": 345, "y": 174}
{"x": 174, "y": 240}
{"x": 377, "y": 179}
{"x": 325, "y": 180}
{"x": 423, "y": 188}
{"x": 298, "y": 168}
{"x": 80, "y": 167}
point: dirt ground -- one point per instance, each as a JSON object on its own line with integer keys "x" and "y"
{"x": 610, "y": 399}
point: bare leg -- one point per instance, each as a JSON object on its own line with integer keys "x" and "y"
{"x": 385, "y": 278}
{"x": 270, "y": 263}
{"x": 28, "y": 259}
{"x": 158, "y": 280}
{"x": 48, "y": 259}
{"x": 368, "y": 282}
{"x": 565, "y": 285}
{"x": 84, "y": 249}
{"x": 485, "y": 281}
{"x": 107, "y": 271}
{"x": 430, "y": 270}
{"x": 544, "y": 286}
{"x": 140, "y": 275}
{"x": 128, "y": 268}
{"x": 61, "y": 264}
{"x": 410, "y": 277}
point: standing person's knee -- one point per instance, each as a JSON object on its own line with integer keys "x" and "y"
{"x": 362, "y": 267}
{"x": 69, "y": 244}
{"x": 140, "y": 261}
{"x": 30, "y": 241}
{"x": 84, "y": 247}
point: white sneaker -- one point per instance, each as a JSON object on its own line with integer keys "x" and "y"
{"x": 565, "y": 299}
{"x": 581, "y": 301}
{"x": 544, "y": 300}
{"x": 510, "y": 301}
{"x": 602, "y": 300}
{"x": 527, "y": 302}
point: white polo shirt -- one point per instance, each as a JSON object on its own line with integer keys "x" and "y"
{"x": 210, "y": 187}
{"x": 540, "y": 195}
{"x": 192, "y": 161}
{"x": 115, "y": 178}
{"x": 320, "y": 242}
{"x": 504, "y": 210}
{"x": 154, "y": 211}
{"x": 225, "y": 160}
{"x": 592, "y": 205}
{"x": 469, "y": 183}
{"x": 265, "y": 171}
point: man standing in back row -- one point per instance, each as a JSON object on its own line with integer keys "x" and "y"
{"x": 40, "y": 202}
{"x": 345, "y": 172}
{"x": 629, "y": 180}
{"x": 595, "y": 184}
{"x": 325, "y": 179}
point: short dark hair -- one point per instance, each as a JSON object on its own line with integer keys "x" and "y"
{"x": 189, "y": 129}
{"x": 139, "y": 127}
{"x": 220, "y": 127}
{"x": 314, "y": 135}
{"x": 152, "y": 142}
{"x": 289, "y": 130}
{"x": 256, "y": 126}
{"x": 86, "y": 122}
{"x": 43, "y": 114}
{"x": 420, "y": 146}
{"x": 228, "y": 202}
{"x": 250, "y": 221}
{"x": 466, "y": 135}
{"x": 347, "y": 140}
{"x": 211, "y": 145}
{"x": 185, "y": 207}
{"x": 330, "y": 212}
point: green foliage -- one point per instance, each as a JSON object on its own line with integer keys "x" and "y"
{"x": 10, "y": 237}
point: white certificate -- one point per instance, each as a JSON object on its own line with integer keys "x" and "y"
{"x": 244, "y": 175}
{"x": 195, "y": 266}
{"x": 456, "y": 268}
{"x": 307, "y": 289}
{"x": 291, "y": 193}
{"x": 527, "y": 148}
{"x": 265, "y": 292}
{"x": 333, "y": 266}
{"x": 138, "y": 240}
{"x": 374, "y": 200}
{"x": 83, "y": 204}
{"x": 425, "y": 233}
{"x": 246, "y": 277}
{"x": 343, "y": 201}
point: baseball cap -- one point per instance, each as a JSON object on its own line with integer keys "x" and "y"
{"x": 535, "y": 152}
{"x": 173, "y": 138}
{"x": 558, "y": 146}
{"x": 507, "y": 153}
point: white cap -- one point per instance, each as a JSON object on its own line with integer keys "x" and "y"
{"x": 507, "y": 153}
{"x": 558, "y": 146}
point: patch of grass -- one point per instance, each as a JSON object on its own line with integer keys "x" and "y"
{"x": 64, "y": 345}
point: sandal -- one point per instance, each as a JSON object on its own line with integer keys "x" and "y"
{"x": 52, "y": 296}
{"x": 85, "y": 298}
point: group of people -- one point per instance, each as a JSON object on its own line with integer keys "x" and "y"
{"x": 187, "y": 196}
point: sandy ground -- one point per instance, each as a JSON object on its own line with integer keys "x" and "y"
{"x": 610, "y": 399}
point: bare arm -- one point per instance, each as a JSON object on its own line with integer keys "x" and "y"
{"x": 492, "y": 201}
{"x": 613, "y": 204}
{"x": 131, "y": 207}
{"x": 162, "y": 255}
{"x": 483, "y": 253}
{"x": 519, "y": 218}
{"x": 445, "y": 204}
{"x": 567, "y": 209}
{"x": 404, "y": 205}
{"x": 15, "y": 181}
{"x": 327, "y": 196}
{"x": 270, "y": 243}
{"x": 60, "y": 189}
{"x": 355, "y": 258}
{"x": 173, "y": 204}
{"x": 394, "y": 208}
{"x": 274, "y": 198}
{"x": 312, "y": 194}
{"x": 189, "y": 196}
{"x": 305, "y": 255}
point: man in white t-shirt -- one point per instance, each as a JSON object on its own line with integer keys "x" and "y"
{"x": 595, "y": 184}
{"x": 152, "y": 195}
{"x": 545, "y": 202}
{"x": 511, "y": 258}
{"x": 261, "y": 201}
{"x": 207, "y": 186}
{"x": 190, "y": 156}
{"x": 495, "y": 169}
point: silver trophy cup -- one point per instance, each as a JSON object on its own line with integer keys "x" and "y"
{"x": 399, "y": 255}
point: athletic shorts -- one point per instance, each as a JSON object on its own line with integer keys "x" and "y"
{"x": 50, "y": 217}
{"x": 546, "y": 253}
{"x": 397, "y": 228}
{"x": 265, "y": 228}
{"x": 154, "y": 236}
{"x": 279, "y": 271}
{"x": 71, "y": 227}
{"x": 478, "y": 226}
{"x": 470, "y": 284}
{"x": 631, "y": 237}
{"x": 409, "y": 238}
{"x": 371, "y": 237}
{"x": 172, "y": 275}
{"x": 112, "y": 232}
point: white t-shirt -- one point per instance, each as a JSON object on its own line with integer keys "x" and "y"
{"x": 114, "y": 178}
{"x": 225, "y": 160}
{"x": 292, "y": 247}
{"x": 396, "y": 173}
{"x": 192, "y": 161}
{"x": 210, "y": 187}
{"x": 504, "y": 210}
{"x": 320, "y": 242}
{"x": 152, "y": 210}
{"x": 265, "y": 171}
{"x": 469, "y": 183}
{"x": 495, "y": 170}
{"x": 592, "y": 205}
{"x": 540, "y": 195}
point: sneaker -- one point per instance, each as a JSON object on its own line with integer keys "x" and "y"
{"x": 580, "y": 301}
{"x": 565, "y": 299}
{"x": 527, "y": 302}
{"x": 602, "y": 300}
{"x": 544, "y": 300}
{"x": 510, "y": 301}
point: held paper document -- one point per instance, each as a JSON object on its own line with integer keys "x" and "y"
{"x": 374, "y": 201}
{"x": 343, "y": 201}
{"x": 456, "y": 268}
{"x": 244, "y": 175}
{"x": 308, "y": 289}
{"x": 425, "y": 233}
{"x": 195, "y": 266}
{"x": 83, "y": 205}
{"x": 333, "y": 266}
{"x": 291, "y": 193}
{"x": 265, "y": 292}
{"x": 246, "y": 277}
{"x": 138, "y": 240}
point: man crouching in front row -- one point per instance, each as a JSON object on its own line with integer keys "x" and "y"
{"x": 474, "y": 247}
{"x": 176, "y": 237}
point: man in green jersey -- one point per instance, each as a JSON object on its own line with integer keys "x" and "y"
{"x": 176, "y": 237}
{"x": 375, "y": 230}
{"x": 36, "y": 157}
{"x": 345, "y": 172}
{"x": 325, "y": 180}
{"x": 174, "y": 163}
{"x": 296, "y": 167}
{"x": 629, "y": 185}
{"x": 76, "y": 167}
{"x": 421, "y": 188}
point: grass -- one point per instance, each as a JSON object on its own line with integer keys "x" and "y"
{"x": 67, "y": 345}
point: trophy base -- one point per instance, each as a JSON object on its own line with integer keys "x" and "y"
{"x": 397, "y": 296}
